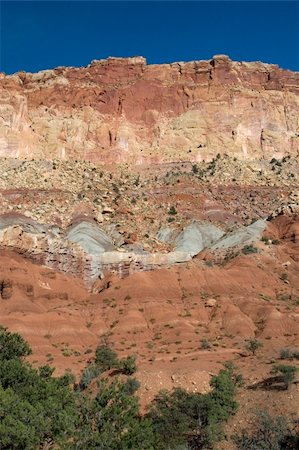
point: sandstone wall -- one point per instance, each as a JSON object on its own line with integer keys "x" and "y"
{"x": 124, "y": 110}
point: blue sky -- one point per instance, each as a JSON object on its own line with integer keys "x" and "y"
{"x": 38, "y": 35}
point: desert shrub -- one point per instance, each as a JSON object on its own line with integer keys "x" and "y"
{"x": 195, "y": 168}
{"x": 236, "y": 377}
{"x": 184, "y": 418}
{"x": 111, "y": 421}
{"x": 253, "y": 345}
{"x": 19, "y": 422}
{"x": 287, "y": 372}
{"x": 127, "y": 365}
{"x": 105, "y": 358}
{"x": 131, "y": 386}
{"x": 231, "y": 254}
{"x": 249, "y": 249}
{"x": 89, "y": 373}
{"x": 285, "y": 353}
{"x": 35, "y": 407}
{"x": 12, "y": 345}
{"x": 38, "y": 410}
{"x": 267, "y": 433}
{"x": 205, "y": 344}
{"x": 172, "y": 211}
{"x": 295, "y": 353}
{"x": 265, "y": 240}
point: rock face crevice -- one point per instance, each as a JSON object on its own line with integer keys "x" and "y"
{"x": 123, "y": 110}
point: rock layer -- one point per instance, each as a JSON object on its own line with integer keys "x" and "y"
{"x": 123, "y": 110}
{"x": 86, "y": 251}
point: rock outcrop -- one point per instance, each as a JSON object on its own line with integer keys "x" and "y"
{"x": 86, "y": 251}
{"x": 123, "y": 110}
{"x": 245, "y": 236}
{"x": 83, "y": 250}
{"x": 194, "y": 238}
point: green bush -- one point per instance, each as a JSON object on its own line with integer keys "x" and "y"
{"x": 89, "y": 373}
{"x": 172, "y": 211}
{"x": 12, "y": 345}
{"x": 287, "y": 353}
{"x": 267, "y": 433}
{"x": 205, "y": 344}
{"x": 131, "y": 386}
{"x": 249, "y": 249}
{"x": 19, "y": 422}
{"x": 111, "y": 421}
{"x": 127, "y": 365}
{"x": 180, "y": 417}
{"x": 287, "y": 372}
{"x": 105, "y": 358}
{"x": 253, "y": 345}
{"x": 35, "y": 408}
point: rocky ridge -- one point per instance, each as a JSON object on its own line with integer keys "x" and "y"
{"x": 123, "y": 110}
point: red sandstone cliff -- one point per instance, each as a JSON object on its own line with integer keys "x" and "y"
{"x": 127, "y": 111}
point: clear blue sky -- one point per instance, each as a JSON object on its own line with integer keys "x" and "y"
{"x": 39, "y": 34}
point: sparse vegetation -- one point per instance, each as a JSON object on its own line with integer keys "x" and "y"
{"x": 287, "y": 353}
{"x": 195, "y": 168}
{"x": 287, "y": 372}
{"x": 105, "y": 358}
{"x": 127, "y": 365}
{"x": 249, "y": 249}
{"x": 205, "y": 344}
{"x": 172, "y": 211}
{"x": 253, "y": 345}
{"x": 266, "y": 240}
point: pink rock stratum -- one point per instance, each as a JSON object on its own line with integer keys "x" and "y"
{"x": 123, "y": 110}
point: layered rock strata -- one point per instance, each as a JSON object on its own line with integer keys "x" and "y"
{"x": 85, "y": 250}
{"x": 123, "y": 110}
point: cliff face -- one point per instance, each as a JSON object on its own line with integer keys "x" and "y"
{"x": 123, "y": 110}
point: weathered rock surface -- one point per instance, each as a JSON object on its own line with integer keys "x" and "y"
{"x": 85, "y": 250}
{"x": 197, "y": 236}
{"x": 90, "y": 237}
{"x": 245, "y": 236}
{"x": 123, "y": 110}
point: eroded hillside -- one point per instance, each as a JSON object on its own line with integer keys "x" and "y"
{"x": 154, "y": 209}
